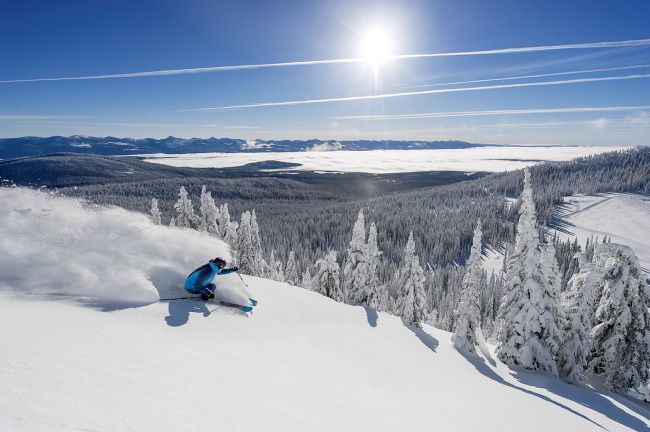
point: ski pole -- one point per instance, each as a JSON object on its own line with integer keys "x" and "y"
{"x": 242, "y": 279}
{"x": 178, "y": 298}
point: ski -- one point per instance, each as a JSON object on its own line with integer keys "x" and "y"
{"x": 244, "y": 308}
{"x": 179, "y": 298}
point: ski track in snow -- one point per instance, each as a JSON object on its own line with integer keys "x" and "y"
{"x": 622, "y": 217}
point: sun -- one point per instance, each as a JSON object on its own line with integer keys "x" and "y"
{"x": 376, "y": 45}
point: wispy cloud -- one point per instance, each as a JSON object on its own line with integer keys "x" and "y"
{"x": 186, "y": 71}
{"x": 28, "y": 117}
{"x": 240, "y": 127}
{"x": 575, "y": 72}
{"x": 494, "y": 113}
{"x": 418, "y": 93}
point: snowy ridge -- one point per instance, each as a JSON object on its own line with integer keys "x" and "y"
{"x": 301, "y": 362}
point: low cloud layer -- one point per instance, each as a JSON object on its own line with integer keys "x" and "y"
{"x": 326, "y": 146}
{"x": 252, "y": 144}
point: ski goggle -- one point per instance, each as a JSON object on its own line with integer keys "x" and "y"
{"x": 219, "y": 262}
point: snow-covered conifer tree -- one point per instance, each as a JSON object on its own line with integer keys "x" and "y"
{"x": 355, "y": 271}
{"x": 551, "y": 271}
{"x": 209, "y": 214}
{"x": 620, "y": 339}
{"x": 306, "y": 281}
{"x": 275, "y": 271}
{"x": 256, "y": 244}
{"x": 244, "y": 256}
{"x": 374, "y": 288}
{"x": 468, "y": 322}
{"x": 327, "y": 280}
{"x": 411, "y": 302}
{"x": 186, "y": 218}
{"x": 528, "y": 335}
{"x": 225, "y": 223}
{"x": 392, "y": 305}
{"x": 432, "y": 318}
{"x": 577, "y": 304}
{"x": 291, "y": 270}
{"x": 231, "y": 234}
{"x": 155, "y": 212}
{"x": 172, "y": 222}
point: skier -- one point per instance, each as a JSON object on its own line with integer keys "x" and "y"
{"x": 200, "y": 280}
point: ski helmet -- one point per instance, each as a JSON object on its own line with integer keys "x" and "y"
{"x": 219, "y": 262}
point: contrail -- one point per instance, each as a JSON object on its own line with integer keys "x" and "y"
{"x": 166, "y": 72}
{"x": 493, "y": 113}
{"x": 421, "y": 92}
{"x": 575, "y": 72}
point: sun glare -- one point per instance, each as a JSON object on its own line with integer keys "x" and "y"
{"x": 376, "y": 45}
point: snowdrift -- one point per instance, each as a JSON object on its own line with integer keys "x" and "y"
{"x": 56, "y": 245}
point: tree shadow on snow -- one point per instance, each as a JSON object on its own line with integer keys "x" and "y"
{"x": 371, "y": 316}
{"x": 428, "y": 340}
{"x": 180, "y": 310}
{"x": 589, "y": 398}
{"x": 586, "y": 397}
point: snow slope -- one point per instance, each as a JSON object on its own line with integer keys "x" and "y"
{"x": 300, "y": 362}
{"x": 624, "y": 218}
{"x": 492, "y": 158}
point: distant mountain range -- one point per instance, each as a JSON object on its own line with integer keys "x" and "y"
{"x": 34, "y": 146}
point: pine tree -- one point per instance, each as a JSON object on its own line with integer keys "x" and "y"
{"x": 225, "y": 225}
{"x": 256, "y": 245}
{"x": 553, "y": 313}
{"x": 172, "y": 222}
{"x": 155, "y": 212}
{"x": 275, "y": 271}
{"x": 306, "y": 281}
{"x": 620, "y": 339}
{"x": 355, "y": 274}
{"x": 411, "y": 303}
{"x": 186, "y": 218}
{"x": 244, "y": 256}
{"x": 577, "y": 303}
{"x": 375, "y": 290}
{"x": 528, "y": 335}
{"x": 291, "y": 270}
{"x": 209, "y": 214}
{"x": 327, "y": 280}
{"x": 468, "y": 321}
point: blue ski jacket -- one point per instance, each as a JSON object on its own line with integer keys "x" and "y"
{"x": 202, "y": 277}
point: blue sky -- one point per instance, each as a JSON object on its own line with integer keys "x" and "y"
{"x": 68, "y": 39}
